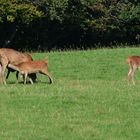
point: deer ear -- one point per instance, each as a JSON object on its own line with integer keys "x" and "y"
{"x": 46, "y": 59}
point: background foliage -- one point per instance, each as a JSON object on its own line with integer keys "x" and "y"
{"x": 53, "y": 24}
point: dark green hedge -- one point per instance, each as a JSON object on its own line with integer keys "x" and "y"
{"x": 66, "y": 24}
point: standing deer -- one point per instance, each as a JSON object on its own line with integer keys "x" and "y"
{"x": 134, "y": 64}
{"x": 26, "y": 68}
{"x": 10, "y": 56}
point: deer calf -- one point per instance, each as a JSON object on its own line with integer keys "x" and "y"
{"x": 134, "y": 64}
{"x": 26, "y": 68}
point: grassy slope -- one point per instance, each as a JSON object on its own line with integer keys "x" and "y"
{"x": 90, "y": 99}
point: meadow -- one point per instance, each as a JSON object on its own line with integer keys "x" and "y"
{"x": 90, "y": 99}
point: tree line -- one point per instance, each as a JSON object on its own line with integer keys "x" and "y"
{"x": 67, "y": 24}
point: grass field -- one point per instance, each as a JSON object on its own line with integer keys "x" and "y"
{"x": 90, "y": 99}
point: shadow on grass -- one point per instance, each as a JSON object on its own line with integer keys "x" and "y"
{"x": 28, "y": 82}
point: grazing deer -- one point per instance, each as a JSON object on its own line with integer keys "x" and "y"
{"x": 10, "y": 56}
{"x": 134, "y": 64}
{"x": 38, "y": 66}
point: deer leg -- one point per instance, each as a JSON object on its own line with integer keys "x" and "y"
{"x": 4, "y": 63}
{"x": 8, "y": 74}
{"x": 17, "y": 73}
{"x": 33, "y": 76}
{"x": 46, "y": 73}
{"x": 30, "y": 79}
{"x": 3, "y": 74}
{"x": 131, "y": 74}
{"x": 25, "y": 77}
{"x": 51, "y": 80}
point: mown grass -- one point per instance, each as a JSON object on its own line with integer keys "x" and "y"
{"x": 90, "y": 99}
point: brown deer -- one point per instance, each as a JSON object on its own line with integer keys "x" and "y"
{"x": 30, "y": 67}
{"x": 11, "y": 56}
{"x": 134, "y": 64}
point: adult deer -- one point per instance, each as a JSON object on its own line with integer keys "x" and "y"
{"x": 11, "y": 56}
{"x": 134, "y": 64}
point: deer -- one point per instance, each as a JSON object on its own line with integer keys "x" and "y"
{"x": 11, "y": 56}
{"x": 134, "y": 64}
{"x": 30, "y": 67}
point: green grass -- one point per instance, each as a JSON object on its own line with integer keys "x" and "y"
{"x": 90, "y": 99}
